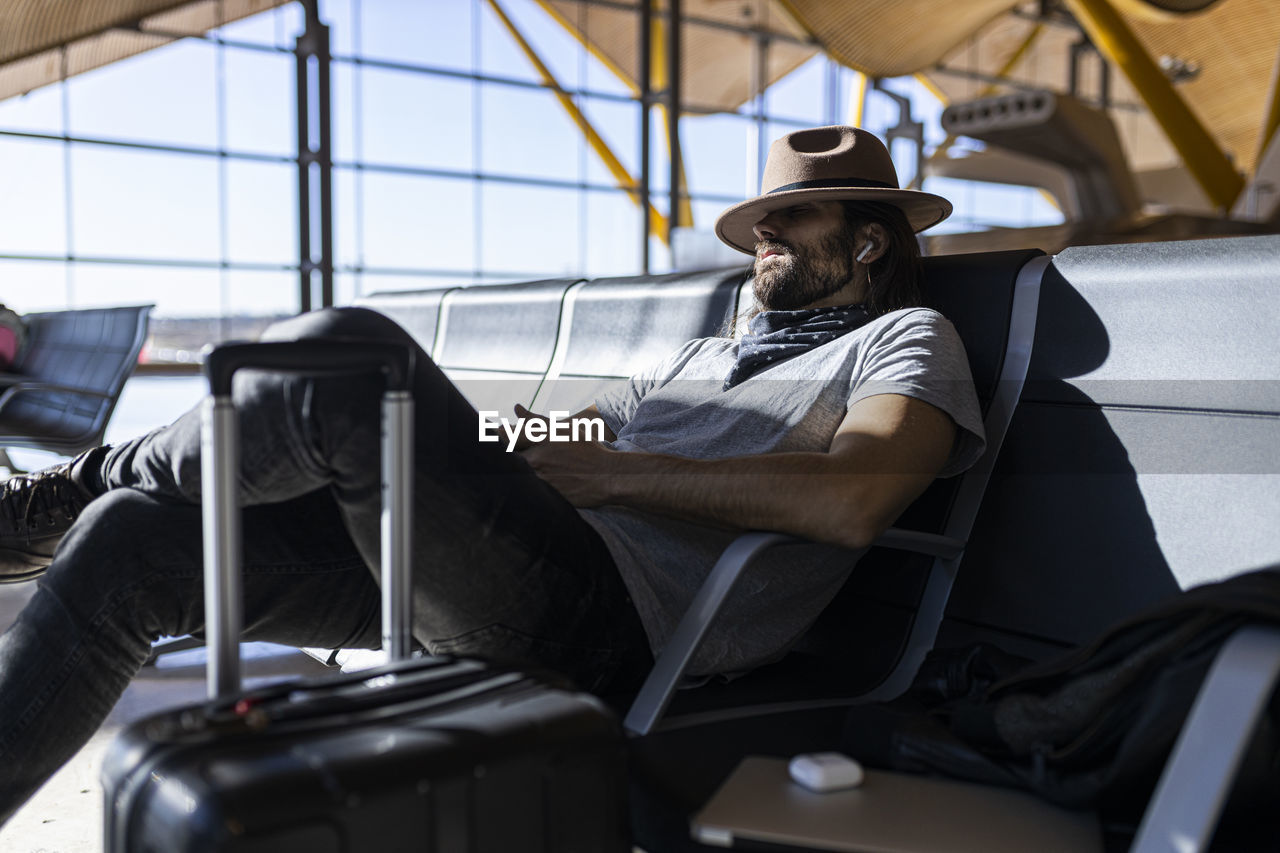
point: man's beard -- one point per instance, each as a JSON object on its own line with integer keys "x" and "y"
{"x": 797, "y": 279}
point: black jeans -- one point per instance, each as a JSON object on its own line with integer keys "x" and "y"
{"x": 503, "y": 566}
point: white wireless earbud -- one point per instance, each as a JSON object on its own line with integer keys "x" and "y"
{"x": 866, "y": 250}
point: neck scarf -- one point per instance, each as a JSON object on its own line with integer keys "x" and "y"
{"x": 773, "y": 336}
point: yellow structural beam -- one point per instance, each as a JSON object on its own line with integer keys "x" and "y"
{"x": 933, "y": 89}
{"x": 658, "y": 82}
{"x": 597, "y": 143}
{"x": 859, "y": 98}
{"x": 1271, "y": 120}
{"x": 581, "y": 37}
{"x": 1197, "y": 147}
{"x": 658, "y": 76}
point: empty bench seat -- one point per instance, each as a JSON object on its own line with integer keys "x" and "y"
{"x": 1144, "y": 456}
{"x": 62, "y": 390}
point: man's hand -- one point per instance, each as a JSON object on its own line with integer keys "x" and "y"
{"x": 523, "y": 442}
{"x": 888, "y": 448}
{"x": 581, "y": 471}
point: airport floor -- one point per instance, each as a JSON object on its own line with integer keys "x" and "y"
{"x": 65, "y": 816}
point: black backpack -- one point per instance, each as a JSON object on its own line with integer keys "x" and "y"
{"x": 1091, "y": 728}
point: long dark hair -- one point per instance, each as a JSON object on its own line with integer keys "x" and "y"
{"x": 896, "y": 275}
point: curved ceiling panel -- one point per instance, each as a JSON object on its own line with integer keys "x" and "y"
{"x": 34, "y": 33}
{"x": 889, "y": 38}
{"x": 715, "y": 67}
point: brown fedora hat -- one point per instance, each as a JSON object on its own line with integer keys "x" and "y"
{"x": 835, "y": 163}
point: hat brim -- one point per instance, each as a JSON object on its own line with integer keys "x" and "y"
{"x": 923, "y": 210}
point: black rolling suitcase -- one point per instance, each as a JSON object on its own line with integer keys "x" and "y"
{"x": 417, "y": 755}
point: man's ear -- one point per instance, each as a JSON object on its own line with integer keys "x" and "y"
{"x": 871, "y": 234}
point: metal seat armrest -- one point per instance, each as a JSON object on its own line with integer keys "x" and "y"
{"x": 655, "y": 695}
{"x": 1198, "y": 776}
{"x": 34, "y": 386}
{"x": 933, "y": 544}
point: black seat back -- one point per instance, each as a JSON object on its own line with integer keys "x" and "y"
{"x": 860, "y": 635}
{"x": 89, "y": 354}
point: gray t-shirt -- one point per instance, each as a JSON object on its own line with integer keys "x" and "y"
{"x": 678, "y": 407}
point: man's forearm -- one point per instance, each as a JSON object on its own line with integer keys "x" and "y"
{"x": 799, "y": 493}
{"x": 888, "y": 450}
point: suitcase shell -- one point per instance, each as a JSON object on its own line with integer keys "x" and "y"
{"x": 450, "y": 756}
{"x": 430, "y": 754}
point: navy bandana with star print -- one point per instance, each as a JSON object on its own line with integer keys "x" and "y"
{"x": 778, "y": 335}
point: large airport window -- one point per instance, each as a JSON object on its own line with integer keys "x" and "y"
{"x": 176, "y": 290}
{"x": 259, "y": 102}
{"x": 527, "y": 133}
{"x": 32, "y": 197}
{"x": 261, "y": 213}
{"x": 167, "y": 95}
{"x": 455, "y": 162}
{"x": 413, "y": 119}
{"x": 143, "y": 204}
{"x": 530, "y": 231}
{"x": 437, "y": 33}
{"x": 37, "y": 111}
{"x": 35, "y": 285}
{"x": 413, "y": 222}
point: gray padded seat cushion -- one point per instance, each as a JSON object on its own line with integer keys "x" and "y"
{"x": 1189, "y": 324}
{"x": 505, "y": 327}
{"x": 416, "y": 310}
{"x": 1143, "y": 458}
{"x": 621, "y": 325}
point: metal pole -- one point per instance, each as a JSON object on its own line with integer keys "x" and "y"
{"x": 315, "y": 162}
{"x": 646, "y": 117}
{"x": 759, "y": 134}
{"x": 304, "y": 175}
{"x": 324, "y": 159}
{"x": 223, "y": 599}
{"x": 831, "y": 91}
{"x": 674, "y": 25}
{"x": 1270, "y": 121}
{"x": 397, "y": 529}
{"x": 1073, "y": 68}
{"x": 906, "y": 128}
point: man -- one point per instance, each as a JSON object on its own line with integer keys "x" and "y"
{"x": 841, "y": 404}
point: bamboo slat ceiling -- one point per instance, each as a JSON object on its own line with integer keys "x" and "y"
{"x": 33, "y": 33}
{"x": 715, "y": 68}
{"x": 1232, "y": 42}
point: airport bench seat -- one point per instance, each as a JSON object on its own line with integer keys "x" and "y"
{"x": 552, "y": 345}
{"x": 61, "y": 391}
{"x": 1140, "y": 458}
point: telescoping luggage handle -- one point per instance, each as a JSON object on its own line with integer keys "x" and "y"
{"x": 220, "y": 460}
